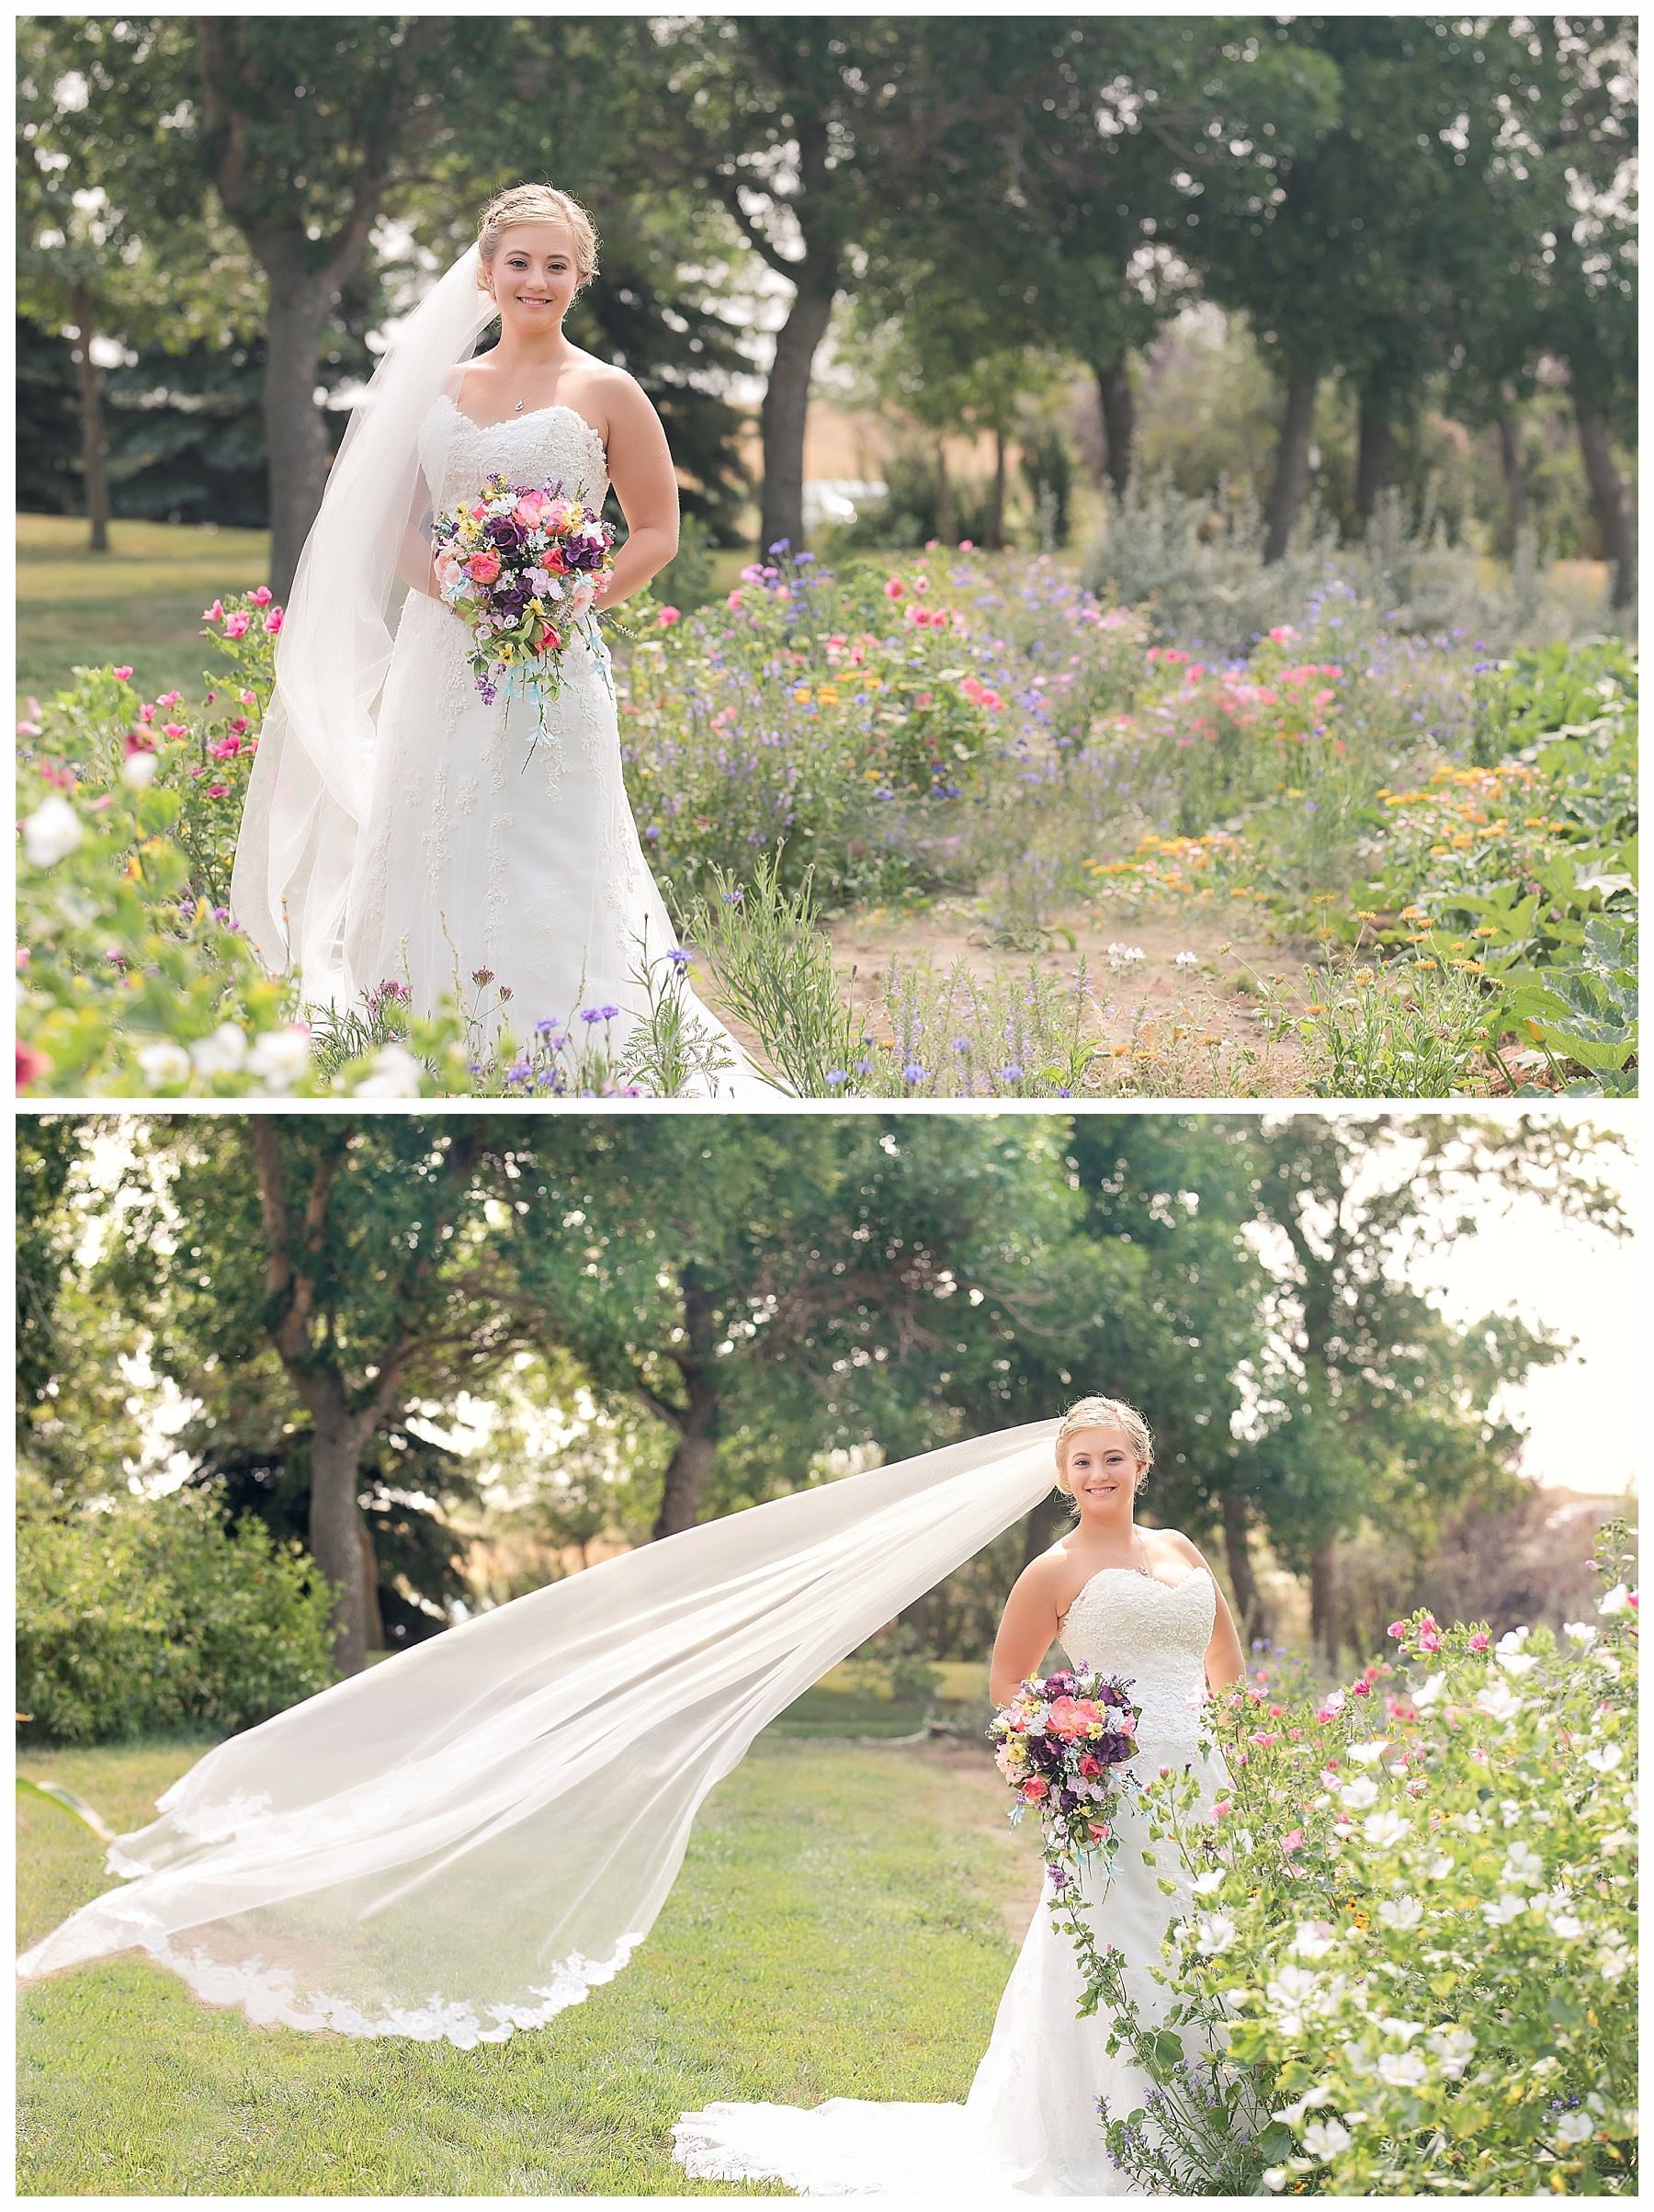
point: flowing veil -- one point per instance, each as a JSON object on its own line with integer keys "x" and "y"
{"x": 466, "y": 1838}
{"x": 313, "y": 770}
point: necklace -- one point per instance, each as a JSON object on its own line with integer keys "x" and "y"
{"x": 1142, "y": 1554}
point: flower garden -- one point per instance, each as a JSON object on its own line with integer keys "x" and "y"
{"x": 1428, "y": 849}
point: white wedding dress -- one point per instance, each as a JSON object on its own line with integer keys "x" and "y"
{"x": 1031, "y": 2123}
{"x": 490, "y": 846}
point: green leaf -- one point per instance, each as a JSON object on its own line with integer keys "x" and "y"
{"x": 54, "y": 1793}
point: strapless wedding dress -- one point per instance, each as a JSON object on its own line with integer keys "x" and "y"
{"x": 488, "y": 845}
{"x": 1030, "y": 2124}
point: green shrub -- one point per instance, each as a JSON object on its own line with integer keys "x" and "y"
{"x": 148, "y": 1617}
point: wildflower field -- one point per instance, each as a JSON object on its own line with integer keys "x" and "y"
{"x": 940, "y": 825}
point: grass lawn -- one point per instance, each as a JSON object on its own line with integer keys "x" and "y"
{"x": 141, "y": 602}
{"x": 844, "y": 1925}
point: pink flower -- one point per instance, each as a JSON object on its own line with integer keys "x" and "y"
{"x": 733, "y": 602}
{"x": 667, "y": 616}
{"x": 550, "y": 638}
{"x": 261, "y": 597}
{"x": 224, "y": 748}
{"x": 1321, "y": 697}
{"x": 218, "y": 791}
{"x": 1428, "y": 1639}
{"x": 272, "y": 623}
{"x": 215, "y": 612}
{"x": 175, "y": 729}
{"x": 29, "y": 730}
{"x": 123, "y": 675}
{"x": 1479, "y": 1642}
{"x": 484, "y": 566}
{"x": 1283, "y": 635}
{"x": 966, "y": 546}
{"x": 1222, "y": 1812}
{"x": 895, "y": 588}
{"x": 138, "y": 741}
{"x": 237, "y": 625}
{"x": 1072, "y": 1716}
{"x": 146, "y": 714}
{"x": 530, "y": 510}
{"x": 1034, "y": 1790}
{"x": 559, "y": 514}
{"x": 1397, "y": 1627}
{"x": 1293, "y": 1841}
{"x": 169, "y": 698}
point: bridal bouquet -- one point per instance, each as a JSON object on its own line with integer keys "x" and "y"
{"x": 520, "y": 565}
{"x": 1062, "y": 1746}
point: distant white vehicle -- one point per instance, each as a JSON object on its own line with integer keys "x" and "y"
{"x": 834, "y": 498}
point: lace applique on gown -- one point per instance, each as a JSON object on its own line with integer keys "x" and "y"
{"x": 477, "y": 853}
{"x": 1030, "y": 2124}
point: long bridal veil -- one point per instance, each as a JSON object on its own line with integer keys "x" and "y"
{"x": 466, "y": 1838}
{"x": 311, "y": 774}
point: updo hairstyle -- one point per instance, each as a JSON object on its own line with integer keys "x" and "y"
{"x": 536, "y": 203}
{"x": 1104, "y": 1414}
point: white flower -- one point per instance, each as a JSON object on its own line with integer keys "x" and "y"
{"x": 1383, "y": 1829}
{"x": 1505, "y": 1911}
{"x": 136, "y": 769}
{"x": 51, "y": 832}
{"x": 1611, "y": 1601}
{"x": 1453, "y": 2045}
{"x": 1314, "y": 1939}
{"x": 1293, "y": 2113}
{"x": 1401, "y": 1912}
{"x": 1517, "y": 1663}
{"x": 1218, "y": 1932}
{"x": 1620, "y": 1840}
{"x": 1361, "y": 1793}
{"x": 1566, "y": 1925}
{"x": 396, "y": 1074}
{"x": 1471, "y": 1822}
{"x": 1605, "y": 1758}
{"x": 1402, "y": 2069}
{"x": 164, "y": 1064}
{"x": 1364, "y": 1754}
{"x": 1511, "y": 1809}
{"x": 1188, "y": 959}
{"x": 1236, "y": 2001}
{"x": 1333, "y": 1702}
{"x": 1213, "y": 1879}
{"x": 222, "y": 1053}
{"x": 1441, "y": 1866}
{"x": 1582, "y": 1632}
{"x": 1406, "y": 2029}
{"x": 1613, "y": 1960}
{"x": 1274, "y": 2177}
{"x": 1326, "y": 2138}
{"x": 1428, "y": 1692}
{"x": 1125, "y": 955}
{"x": 1575, "y": 2127}
{"x": 1522, "y": 1865}
{"x": 1609, "y": 1664}
{"x": 1498, "y": 1702}
{"x": 279, "y": 1056}
{"x": 1512, "y": 1641}
{"x": 1542, "y": 2068}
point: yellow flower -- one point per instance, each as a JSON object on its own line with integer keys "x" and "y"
{"x": 1423, "y": 963}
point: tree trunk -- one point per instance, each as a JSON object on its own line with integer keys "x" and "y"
{"x": 1376, "y": 460}
{"x": 1326, "y": 1625}
{"x": 1237, "y": 1547}
{"x": 1510, "y": 454}
{"x": 295, "y": 435}
{"x": 1042, "y": 1528}
{"x": 92, "y": 424}
{"x": 1292, "y": 466}
{"x": 374, "y": 1618}
{"x": 786, "y": 403}
{"x": 1119, "y": 424}
{"x": 947, "y": 522}
{"x": 1611, "y": 496}
{"x": 996, "y": 498}
{"x": 689, "y": 1466}
{"x": 336, "y": 1535}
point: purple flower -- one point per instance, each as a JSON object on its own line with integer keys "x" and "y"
{"x": 679, "y": 959}
{"x": 834, "y": 1077}
{"x": 545, "y": 1028}
{"x": 913, "y": 1072}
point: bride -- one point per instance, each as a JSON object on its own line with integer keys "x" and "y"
{"x": 1132, "y": 1602}
{"x": 466, "y": 1839}
{"x": 397, "y": 827}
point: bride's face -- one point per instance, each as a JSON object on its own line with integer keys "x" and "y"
{"x": 1102, "y": 1471}
{"x": 535, "y": 275}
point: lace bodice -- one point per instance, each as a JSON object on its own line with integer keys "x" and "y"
{"x": 551, "y": 444}
{"x": 1153, "y": 1636}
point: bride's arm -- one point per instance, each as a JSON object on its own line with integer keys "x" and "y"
{"x": 413, "y": 555}
{"x": 1028, "y": 1632}
{"x": 645, "y": 483}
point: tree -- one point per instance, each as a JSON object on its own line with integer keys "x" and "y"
{"x": 348, "y": 1247}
